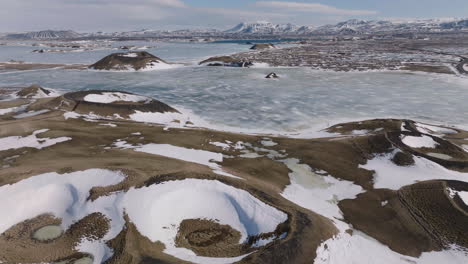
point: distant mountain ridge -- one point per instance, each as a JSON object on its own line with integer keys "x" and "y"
{"x": 45, "y": 34}
{"x": 349, "y": 27}
{"x": 268, "y": 28}
{"x": 355, "y": 26}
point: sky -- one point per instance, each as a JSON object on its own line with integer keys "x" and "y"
{"x": 122, "y": 15}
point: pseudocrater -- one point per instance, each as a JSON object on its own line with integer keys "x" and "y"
{"x": 205, "y": 217}
{"x": 103, "y": 104}
{"x": 132, "y": 61}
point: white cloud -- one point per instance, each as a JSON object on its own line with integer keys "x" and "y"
{"x": 121, "y": 15}
{"x": 161, "y": 3}
{"x": 241, "y": 14}
{"x": 85, "y": 15}
{"x": 313, "y": 8}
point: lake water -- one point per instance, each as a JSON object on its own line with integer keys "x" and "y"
{"x": 243, "y": 99}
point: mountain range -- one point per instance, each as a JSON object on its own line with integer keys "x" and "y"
{"x": 355, "y": 26}
{"x": 46, "y": 34}
{"x": 268, "y": 28}
{"x": 350, "y": 27}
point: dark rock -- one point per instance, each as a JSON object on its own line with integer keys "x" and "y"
{"x": 260, "y": 46}
{"x": 32, "y": 91}
{"x": 403, "y": 159}
{"x": 272, "y": 76}
{"x": 226, "y": 61}
{"x": 462, "y": 67}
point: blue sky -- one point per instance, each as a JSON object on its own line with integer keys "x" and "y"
{"x": 117, "y": 15}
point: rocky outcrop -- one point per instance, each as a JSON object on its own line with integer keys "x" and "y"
{"x": 261, "y": 46}
{"x": 441, "y": 214}
{"x": 129, "y": 61}
{"x": 272, "y": 76}
{"x": 110, "y": 103}
{"x": 226, "y": 61}
{"x": 462, "y": 67}
{"x": 417, "y": 218}
{"x": 33, "y": 91}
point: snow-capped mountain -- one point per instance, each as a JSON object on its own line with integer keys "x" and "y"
{"x": 268, "y": 28}
{"x": 350, "y": 27}
{"x": 355, "y": 26}
{"x": 45, "y": 35}
{"x": 149, "y": 33}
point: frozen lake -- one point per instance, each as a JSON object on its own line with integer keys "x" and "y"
{"x": 243, "y": 99}
{"x": 185, "y": 52}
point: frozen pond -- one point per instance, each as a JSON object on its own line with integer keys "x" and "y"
{"x": 48, "y": 233}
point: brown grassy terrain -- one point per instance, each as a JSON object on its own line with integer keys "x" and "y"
{"x": 418, "y": 218}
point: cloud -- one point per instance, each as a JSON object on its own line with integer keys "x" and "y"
{"x": 241, "y": 14}
{"x": 121, "y": 15}
{"x": 160, "y": 3}
{"x": 86, "y": 15}
{"x": 313, "y": 8}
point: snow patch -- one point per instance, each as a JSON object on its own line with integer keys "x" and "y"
{"x": 129, "y": 55}
{"x": 391, "y": 176}
{"x": 419, "y": 142}
{"x": 440, "y": 156}
{"x": 224, "y": 146}
{"x": 31, "y": 141}
{"x": 462, "y": 194}
{"x": 268, "y": 143}
{"x": 168, "y": 119}
{"x": 315, "y": 192}
{"x": 73, "y": 115}
{"x": 108, "y": 124}
{"x": 154, "y": 66}
{"x": 360, "y": 132}
{"x": 362, "y": 249}
{"x": 433, "y": 130}
{"x": 202, "y": 157}
{"x": 111, "y": 97}
{"x": 31, "y": 113}
{"x": 8, "y": 110}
